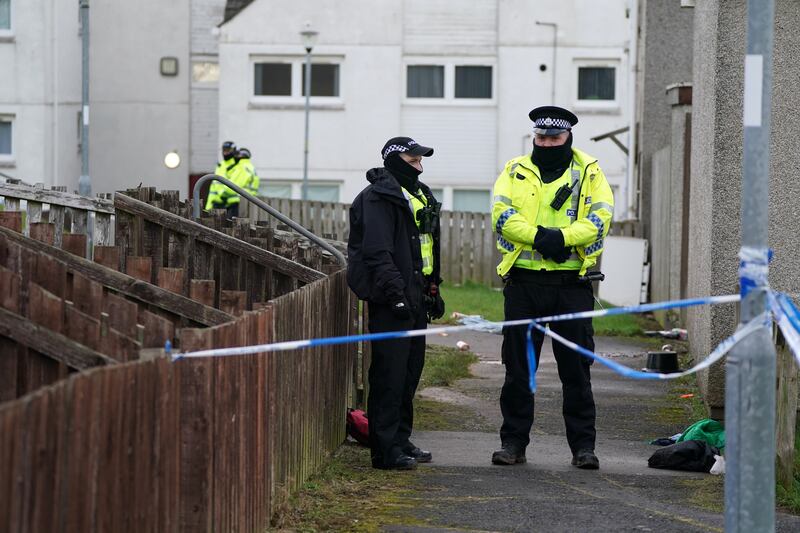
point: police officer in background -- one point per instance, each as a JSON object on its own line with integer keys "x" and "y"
{"x": 552, "y": 208}
{"x": 220, "y": 196}
{"x": 393, "y": 264}
{"x": 243, "y": 174}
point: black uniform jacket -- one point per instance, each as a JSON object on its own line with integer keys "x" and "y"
{"x": 383, "y": 251}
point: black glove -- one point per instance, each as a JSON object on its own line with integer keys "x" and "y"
{"x": 401, "y": 309}
{"x": 434, "y": 303}
{"x": 563, "y": 255}
{"x": 549, "y": 242}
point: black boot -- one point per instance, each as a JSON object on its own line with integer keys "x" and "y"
{"x": 421, "y": 456}
{"x": 403, "y": 462}
{"x": 509, "y": 455}
{"x": 585, "y": 459}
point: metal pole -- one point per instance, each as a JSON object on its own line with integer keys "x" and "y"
{"x": 308, "y": 107}
{"x": 750, "y": 368}
{"x": 266, "y": 207}
{"x": 555, "y": 48}
{"x": 85, "y": 182}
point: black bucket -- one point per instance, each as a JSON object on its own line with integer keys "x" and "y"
{"x": 665, "y": 362}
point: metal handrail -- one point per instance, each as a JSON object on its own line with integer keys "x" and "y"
{"x": 266, "y": 207}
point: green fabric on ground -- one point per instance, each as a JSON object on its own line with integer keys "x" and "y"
{"x": 707, "y": 430}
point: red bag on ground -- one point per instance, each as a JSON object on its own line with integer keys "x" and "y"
{"x": 358, "y": 426}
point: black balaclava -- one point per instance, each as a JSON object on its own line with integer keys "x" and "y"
{"x": 552, "y": 160}
{"x": 406, "y": 175}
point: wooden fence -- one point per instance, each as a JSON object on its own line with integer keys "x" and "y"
{"x": 197, "y": 445}
{"x": 69, "y": 220}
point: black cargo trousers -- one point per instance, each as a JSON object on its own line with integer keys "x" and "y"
{"x": 534, "y": 294}
{"x": 394, "y": 372}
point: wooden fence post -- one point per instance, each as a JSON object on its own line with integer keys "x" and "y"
{"x": 786, "y": 417}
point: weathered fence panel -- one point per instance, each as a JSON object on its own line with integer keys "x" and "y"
{"x": 59, "y": 218}
{"x": 196, "y": 445}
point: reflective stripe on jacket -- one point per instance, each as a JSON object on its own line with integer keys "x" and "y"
{"x": 520, "y": 201}
{"x": 416, "y": 203}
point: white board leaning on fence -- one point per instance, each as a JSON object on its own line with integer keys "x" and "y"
{"x": 624, "y": 264}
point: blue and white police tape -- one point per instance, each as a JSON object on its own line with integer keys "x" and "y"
{"x": 753, "y": 268}
{"x": 478, "y": 324}
{"x": 787, "y": 317}
{"x": 761, "y": 321}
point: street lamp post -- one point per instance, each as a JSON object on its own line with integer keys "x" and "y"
{"x": 84, "y": 182}
{"x": 309, "y": 37}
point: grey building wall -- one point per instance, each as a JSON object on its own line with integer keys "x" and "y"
{"x": 680, "y": 147}
{"x": 719, "y": 46}
{"x": 665, "y": 51}
{"x": 137, "y": 114}
{"x": 204, "y": 128}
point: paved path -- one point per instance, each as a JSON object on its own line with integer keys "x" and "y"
{"x": 463, "y": 491}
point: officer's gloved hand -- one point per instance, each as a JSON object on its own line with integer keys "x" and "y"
{"x": 435, "y": 303}
{"x": 401, "y": 309}
{"x": 549, "y": 242}
{"x": 563, "y": 255}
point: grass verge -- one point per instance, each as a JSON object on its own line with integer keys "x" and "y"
{"x": 476, "y": 299}
{"x": 349, "y": 495}
{"x": 444, "y": 365}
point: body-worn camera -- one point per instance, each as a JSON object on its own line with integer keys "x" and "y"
{"x": 428, "y": 216}
{"x": 564, "y": 192}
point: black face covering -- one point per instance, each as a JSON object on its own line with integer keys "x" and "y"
{"x": 552, "y": 160}
{"x": 406, "y": 175}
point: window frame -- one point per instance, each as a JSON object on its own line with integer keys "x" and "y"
{"x": 609, "y": 106}
{"x": 9, "y": 159}
{"x": 7, "y": 34}
{"x": 457, "y": 189}
{"x": 295, "y": 98}
{"x": 449, "y": 63}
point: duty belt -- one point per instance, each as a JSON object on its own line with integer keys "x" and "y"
{"x": 545, "y": 277}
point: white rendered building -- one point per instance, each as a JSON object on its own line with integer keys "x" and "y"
{"x": 152, "y": 90}
{"x": 458, "y": 76}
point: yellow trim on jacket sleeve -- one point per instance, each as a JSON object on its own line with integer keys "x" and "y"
{"x": 506, "y": 220}
{"x": 595, "y": 223}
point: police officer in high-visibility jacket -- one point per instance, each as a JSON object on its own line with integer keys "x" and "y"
{"x": 551, "y": 211}
{"x": 244, "y": 175}
{"x": 219, "y": 194}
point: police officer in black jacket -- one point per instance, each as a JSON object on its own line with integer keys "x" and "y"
{"x": 393, "y": 264}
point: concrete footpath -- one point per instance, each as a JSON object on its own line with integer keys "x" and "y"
{"x": 462, "y": 491}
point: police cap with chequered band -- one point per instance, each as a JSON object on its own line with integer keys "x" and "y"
{"x": 405, "y": 144}
{"x": 552, "y": 120}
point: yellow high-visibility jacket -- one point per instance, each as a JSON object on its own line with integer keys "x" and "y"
{"x": 584, "y": 219}
{"x": 244, "y": 175}
{"x": 219, "y": 194}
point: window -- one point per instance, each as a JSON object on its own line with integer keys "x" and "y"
{"x": 205, "y": 72}
{"x": 5, "y": 14}
{"x": 425, "y": 81}
{"x": 5, "y": 137}
{"x": 473, "y": 82}
{"x": 476, "y": 201}
{"x": 275, "y": 190}
{"x": 596, "y": 83}
{"x": 324, "y": 80}
{"x": 438, "y": 194}
{"x": 280, "y": 81}
{"x": 273, "y": 79}
{"x": 323, "y": 193}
